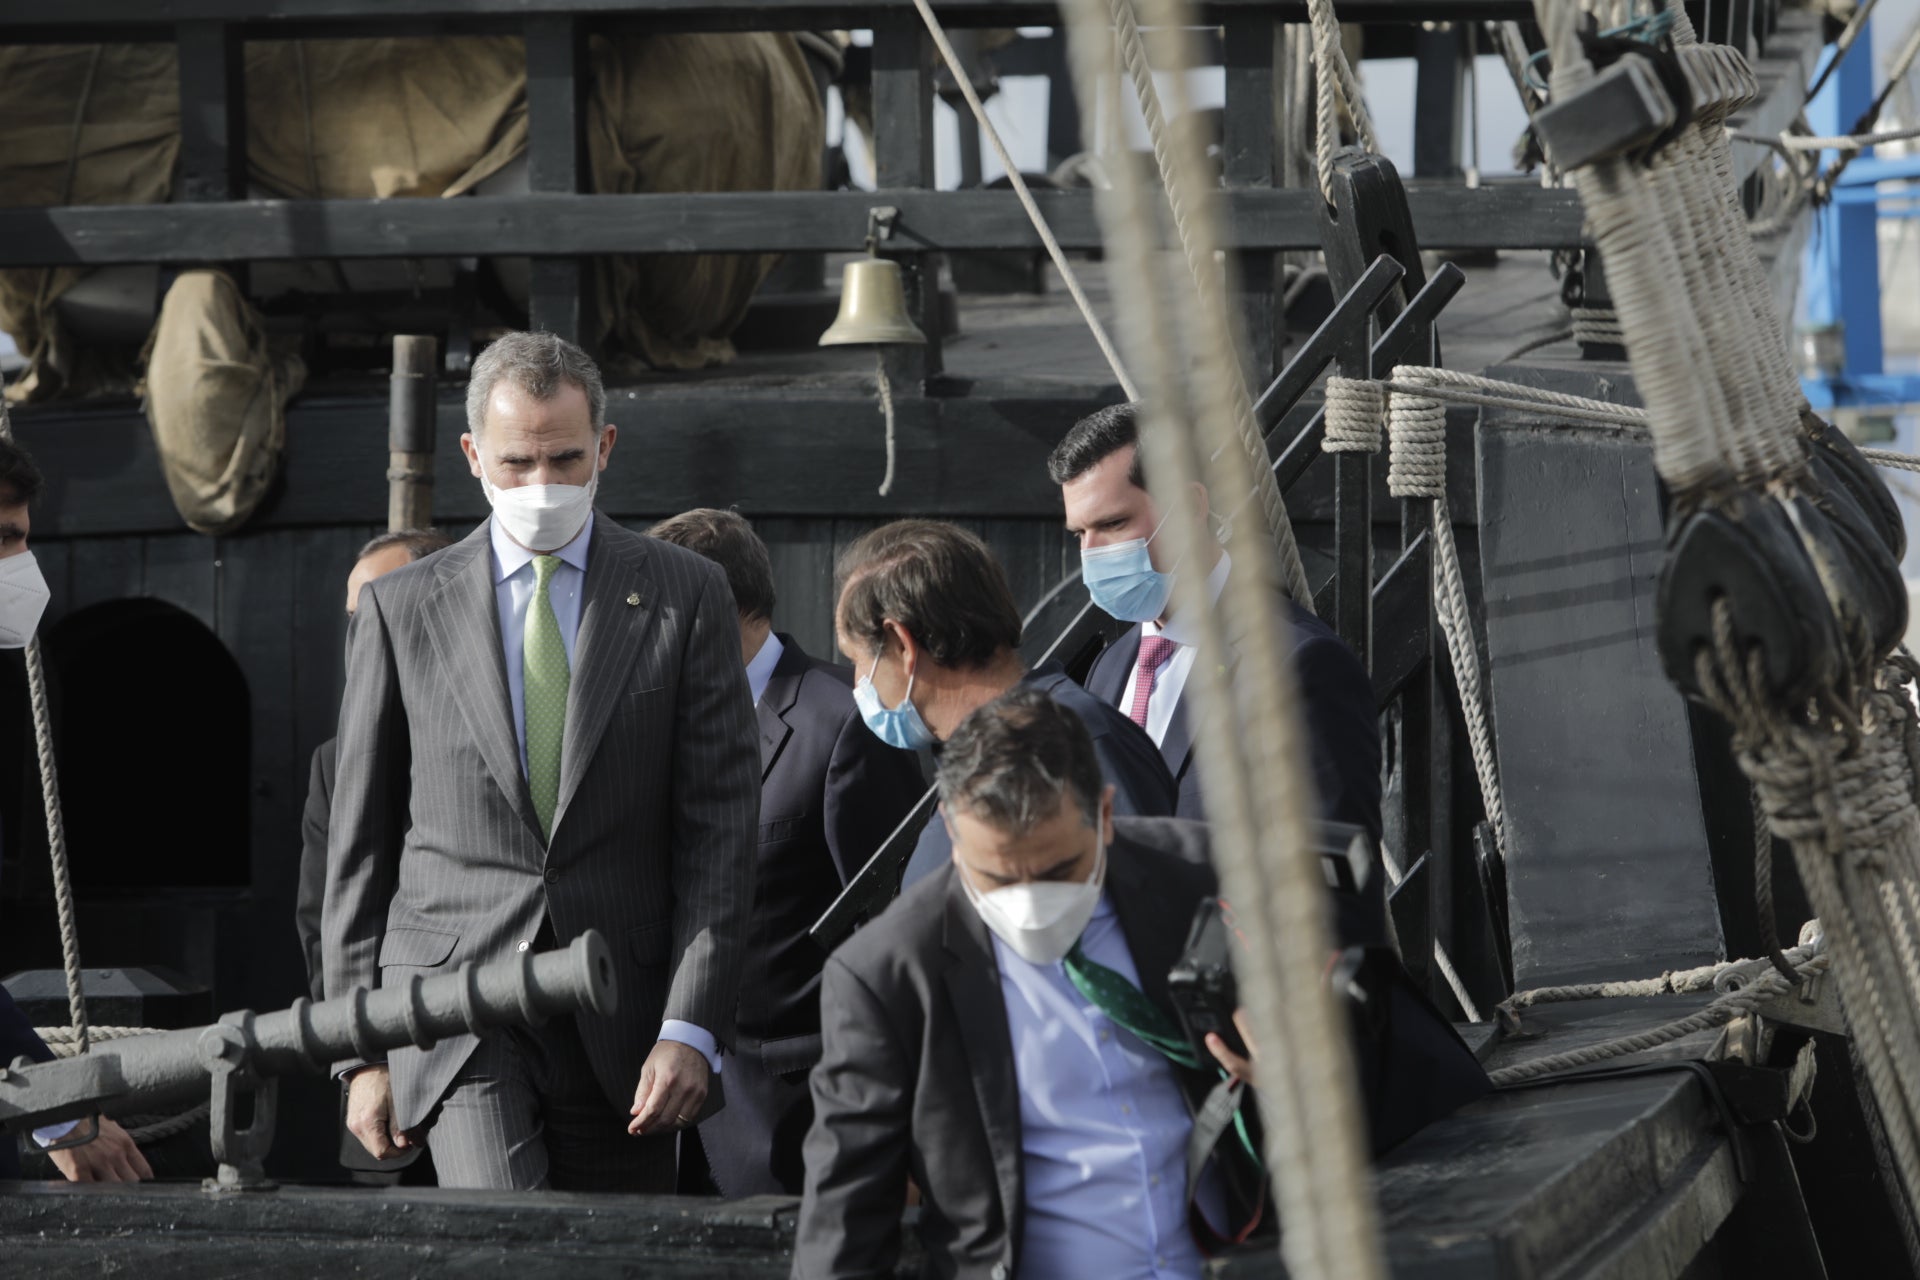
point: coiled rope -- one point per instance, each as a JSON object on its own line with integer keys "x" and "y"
{"x": 1251, "y": 741}
{"x": 56, "y": 823}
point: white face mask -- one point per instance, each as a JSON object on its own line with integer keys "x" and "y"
{"x": 542, "y": 517}
{"x": 23, "y": 598}
{"x": 1041, "y": 920}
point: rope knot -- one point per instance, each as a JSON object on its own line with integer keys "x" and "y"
{"x": 1356, "y": 413}
{"x": 1417, "y": 452}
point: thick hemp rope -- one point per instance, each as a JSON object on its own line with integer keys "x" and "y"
{"x": 1183, "y": 192}
{"x": 1836, "y": 775}
{"x": 56, "y": 823}
{"x": 1251, "y": 741}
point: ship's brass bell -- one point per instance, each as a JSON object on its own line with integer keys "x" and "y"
{"x": 873, "y": 307}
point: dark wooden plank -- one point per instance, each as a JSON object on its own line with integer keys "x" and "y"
{"x": 903, "y": 161}
{"x": 1439, "y": 99}
{"x": 213, "y": 133}
{"x": 184, "y": 570}
{"x": 1249, "y": 160}
{"x": 1608, "y": 870}
{"x": 802, "y": 554}
{"x": 1517, "y": 215}
{"x": 139, "y": 19}
{"x": 256, "y": 622}
{"x": 103, "y": 571}
{"x": 556, "y": 149}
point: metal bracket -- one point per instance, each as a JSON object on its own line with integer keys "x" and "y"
{"x": 1622, "y": 109}
{"x": 227, "y": 1050}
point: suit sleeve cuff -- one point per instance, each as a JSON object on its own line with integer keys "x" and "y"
{"x": 696, "y": 1038}
{"x": 53, "y": 1133}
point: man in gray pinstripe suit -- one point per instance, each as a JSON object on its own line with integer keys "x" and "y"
{"x": 546, "y": 729}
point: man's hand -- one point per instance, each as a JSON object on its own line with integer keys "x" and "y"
{"x": 111, "y": 1157}
{"x": 1239, "y": 1068}
{"x": 370, "y": 1114}
{"x": 673, "y": 1088}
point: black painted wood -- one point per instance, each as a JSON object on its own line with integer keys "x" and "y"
{"x": 1439, "y": 101}
{"x": 1517, "y": 215}
{"x": 1608, "y": 870}
{"x": 213, "y": 134}
{"x": 903, "y": 161}
{"x": 556, "y": 153}
{"x": 1249, "y": 160}
{"x": 80, "y": 20}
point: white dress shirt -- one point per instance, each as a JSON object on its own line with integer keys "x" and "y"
{"x": 1103, "y": 1127}
{"x": 760, "y": 667}
{"x": 514, "y": 578}
{"x": 1172, "y": 676}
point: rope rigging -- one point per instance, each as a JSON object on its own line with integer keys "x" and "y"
{"x": 1251, "y": 745}
{"x": 1823, "y": 725}
{"x": 56, "y": 822}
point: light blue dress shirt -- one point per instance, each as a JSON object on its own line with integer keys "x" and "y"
{"x": 513, "y": 583}
{"x": 760, "y": 669}
{"x": 1104, "y": 1128}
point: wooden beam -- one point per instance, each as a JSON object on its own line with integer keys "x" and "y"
{"x": 903, "y": 163}
{"x": 556, "y": 151}
{"x": 82, "y": 20}
{"x": 1514, "y": 215}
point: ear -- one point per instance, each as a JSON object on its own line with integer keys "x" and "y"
{"x": 607, "y": 435}
{"x": 472, "y": 450}
{"x": 1202, "y": 507}
{"x": 910, "y": 651}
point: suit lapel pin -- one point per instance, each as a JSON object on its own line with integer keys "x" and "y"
{"x": 633, "y": 598}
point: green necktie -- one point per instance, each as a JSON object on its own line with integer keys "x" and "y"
{"x": 543, "y": 668}
{"x": 1127, "y": 1005}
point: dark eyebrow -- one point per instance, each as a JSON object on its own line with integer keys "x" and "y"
{"x": 8, "y": 529}
{"x": 1059, "y": 869}
{"x": 569, "y": 455}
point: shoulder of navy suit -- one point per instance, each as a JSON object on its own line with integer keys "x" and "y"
{"x": 911, "y": 925}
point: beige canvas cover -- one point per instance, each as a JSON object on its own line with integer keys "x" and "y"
{"x": 381, "y": 118}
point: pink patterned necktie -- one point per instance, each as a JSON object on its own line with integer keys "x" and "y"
{"x": 1154, "y": 652}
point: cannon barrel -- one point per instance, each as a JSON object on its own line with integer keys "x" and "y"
{"x": 142, "y": 1073}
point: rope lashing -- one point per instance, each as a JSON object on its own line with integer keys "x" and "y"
{"x": 1335, "y": 87}
{"x": 1417, "y": 468}
{"x": 1597, "y": 326}
{"x": 56, "y": 821}
{"x": 1734, "y": 1004}
{"x": 1356, "y": 410}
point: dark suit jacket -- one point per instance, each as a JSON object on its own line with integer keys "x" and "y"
{"x": 917, "y": 1076}
{"x": 1343, "y": 725}
{"x": 1142, "y": 783}
{"x": 312, "y": 890}
{"x": 17, "y": 1040}
{"x": 434, "y": 855}
{"x": 830, "y": 792}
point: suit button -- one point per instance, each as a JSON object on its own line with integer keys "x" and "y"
{"x": 553, "y": 875}
{"x": 525, "y": 946}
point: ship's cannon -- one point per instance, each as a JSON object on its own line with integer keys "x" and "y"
{"x": 244, "y": 1053}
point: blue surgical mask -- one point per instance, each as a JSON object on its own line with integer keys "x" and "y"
{"x": 1122, "y": 580}
{"x": 899, "y": 726}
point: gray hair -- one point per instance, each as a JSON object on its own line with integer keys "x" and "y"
{"x": 1011, "y": 761}
{"x": 539, "y": 364}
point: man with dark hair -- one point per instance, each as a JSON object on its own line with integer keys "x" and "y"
{"x": 991, "y": 1035}
{"x": 1129, "y": 572}
{"x": 112, "y": 1156}
{"x": 925, "y": 615}
{"x": 830, "y": 793}
{"x": 379, "y": 557}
